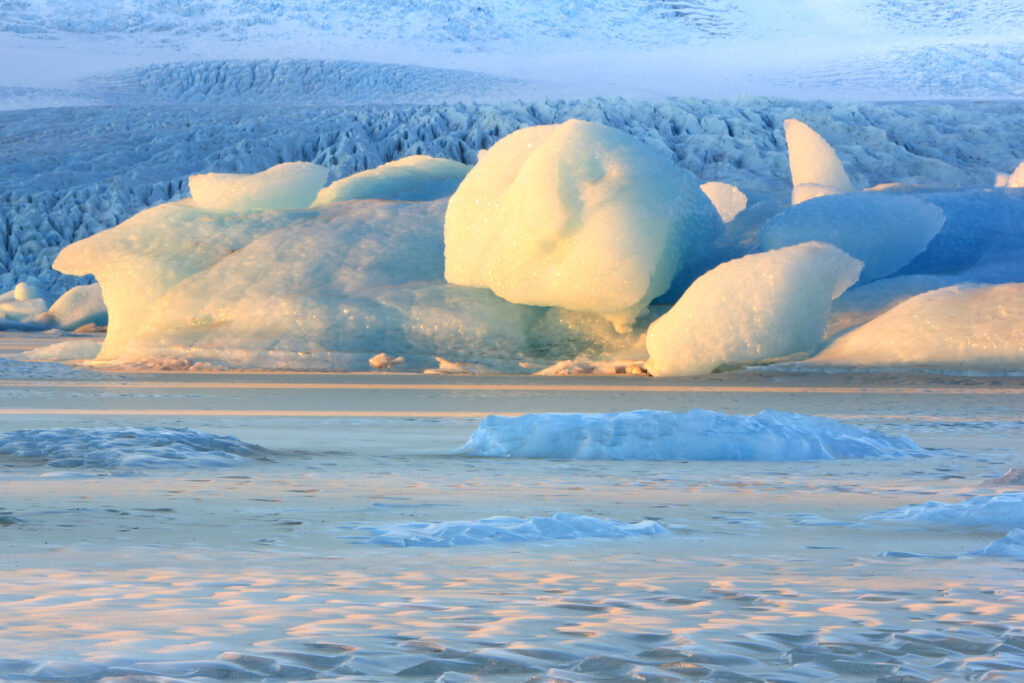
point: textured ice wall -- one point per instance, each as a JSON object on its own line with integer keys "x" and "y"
{"x": 579, "y": 216}
{"x": 761, "y": 306}
{"x": 694, "y": 435}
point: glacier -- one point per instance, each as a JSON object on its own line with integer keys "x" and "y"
{"x": 695, "y": 435}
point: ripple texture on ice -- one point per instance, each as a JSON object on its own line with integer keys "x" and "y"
{"x": 1004, "y": 512}
{"x": 122, "y": 448}
{"x": 694, "y": 435}
{"x": 561, "y": 526}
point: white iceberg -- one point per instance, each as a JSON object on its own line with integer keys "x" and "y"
{"x": 885, "y": 231}
{"x": 119, "y": 448}
{"x": 1001, "y": 512}
{"x": 81, "y": 305}
{"x": 813, "y": 164}
{"x": 577, "y": 215}
{"x": 758, "y": 307}
{"x": 694, "y": 435}
{"x": 729, "y": 201}
{"x": 291, "y": 185}
{"x": 962, "y": 326}
{"x": 414, "y": 178}
{"x": 561, "y": 526}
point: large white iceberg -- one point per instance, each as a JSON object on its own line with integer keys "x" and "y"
{"x": 694, "y": 435}
{"x": 414, "y": 178}
{"x": 813, "y": 164}
{"x": 885, "y": 231}
{"x": 964, "y": 325}
{"x": 577, "y": 215}
{"x": 1001, "y": 512}
{"x": 291, "y": 185}
{"x": 758, "y": 307}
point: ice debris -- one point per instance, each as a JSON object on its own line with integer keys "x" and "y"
{"x": 758, "y": 307}
{"x": 961, "y": 326}
{"x": 694, "y": 435}
{"x": 813, "y": 164}
{"x": 291, "y": 185}
{"x": 729, "y": 201}
{"x": 413, "y": 178}
{"x": 576, "y": 215}
{"x": 884, "y": 231}
{"x": 1001, "y": 512}
{"x": 561, "y": 526}
{"x": 120, "y": 448}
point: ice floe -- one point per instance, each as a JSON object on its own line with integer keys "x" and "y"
{"x": 758, "y": 307}
{"x": 561, "y": 526}
{"x": 694, "y": 435}
{"x": 1001, "y": 512}
{"x": 124, "y": 448}
{"x": 579, "y": 216}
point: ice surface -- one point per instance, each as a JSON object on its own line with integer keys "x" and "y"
{"x": 414, "y": 178}
{"x": 694, "y": 435}
{"x": 78, "y": 306}
{"x": 291, "y": 185}
{"x": 579, "y": 216}
{"x": 813, "y": 164}
{"x": 885, "y": 231}
{"x": 961, "y": 326}
{"x": 728, "y": 199}
{"x": 122, "y": 448}
{"x": 1002, "y": 512}
{"x": 758, "y": 307}
{"x": 1012, "y": 545}
{"x": 559, "y": 527}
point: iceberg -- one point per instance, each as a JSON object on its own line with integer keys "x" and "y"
{"x": 81, "y": 305}
{"x": 561, "y": 526}
{"x": 729, "y": 201}
{"x": 120, "y": 448}
{"x": 414, "y": 178}
{"x": 813, "y": 164}
{"x": 755, "y": 308}
{"x": 961, "y": 326}
{"x": 579, "y": 216}
{"x": 1000, "y": 512}
{"x": 694, "y": 435}
{"x": 291, "y": 185}
{"x": 1011, "y": 545}
{"x": 885, "y": 231}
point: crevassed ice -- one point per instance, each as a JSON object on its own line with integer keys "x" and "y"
{"x": 761, "y": 306}
{"x": 291, "y": 185}
{"x": 558, "y": 527}
{"x": 124, "y": 447}
{"x": 694, "y": 435}
{"x": 413, "y": 178}
{"x": 1003, "y": 512}
{"x": 965, "y": 325}
{"x": 576, "y": 215}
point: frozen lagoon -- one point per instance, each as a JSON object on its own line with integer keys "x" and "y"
{"x": 261, "y": 571}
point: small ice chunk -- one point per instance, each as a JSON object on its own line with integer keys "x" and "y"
{"x": 1015, "y": 179}
{"x": 694, "y": 435}
{"x": 79, "y": 306}
{"x": 1002, "y": 512}
{"x": 728, "y": 199}
{"x": 291, "y": 185}
{"x": 960, "y": 326}
{"x": 124, "y": 447}
{"x": 813, "y": 164}
{"x": 885, "y": 231}
{"x": 1012, "y": 545}
{"x": 577, "y": 215}
{"x": 414, "y": 178}
{"x": 758, "y": 307}
{"x": 23, "y": 291}
{"x": 561, "y": 526}
{"x": 383, "y": 361}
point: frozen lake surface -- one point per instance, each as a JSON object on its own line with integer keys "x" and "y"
{"x": 262, "y": 569}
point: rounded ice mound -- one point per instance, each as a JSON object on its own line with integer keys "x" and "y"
{"x": 694, "y": 435}
{"x": 758, "y": 307}
{"x": 415, "y": 178}
{"x": 121, "y": 447}
{"x": 885, "y": 231}
{"x": 291, "y": 185}
{"x": 79, "y": 306}
{"x": 577, "y": 215}
{"x": 963, "y": 325}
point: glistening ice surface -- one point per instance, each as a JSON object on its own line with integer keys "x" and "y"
{"x": 261, "y": 571}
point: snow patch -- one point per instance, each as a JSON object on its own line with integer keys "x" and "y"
{"x": 694, "y": 435}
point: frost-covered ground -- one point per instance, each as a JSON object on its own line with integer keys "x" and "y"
{"x": 261, "y": 570}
